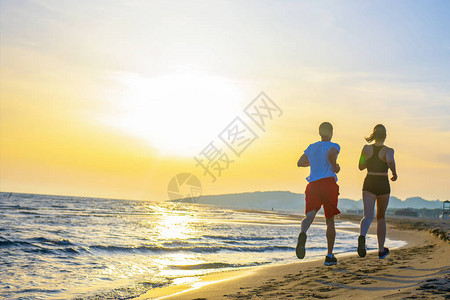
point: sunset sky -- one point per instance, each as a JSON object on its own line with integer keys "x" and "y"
{"x": 114, "y": 98}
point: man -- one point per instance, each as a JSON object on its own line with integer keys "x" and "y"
{"x": 322, "y": 188}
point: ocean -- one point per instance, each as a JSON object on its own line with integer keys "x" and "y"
{"x": 59, "y": 247}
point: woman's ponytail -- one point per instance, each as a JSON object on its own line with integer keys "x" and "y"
{"x": 379, "y": 133}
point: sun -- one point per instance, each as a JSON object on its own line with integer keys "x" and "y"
{"x": 176, "y": 114}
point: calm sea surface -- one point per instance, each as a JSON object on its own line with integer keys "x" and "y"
{"x": 54, "y": 247}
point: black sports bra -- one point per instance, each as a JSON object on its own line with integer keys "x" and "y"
{"x": 374, "y": 163}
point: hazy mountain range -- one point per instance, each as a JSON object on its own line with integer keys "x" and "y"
{"x": 284, "y": 200}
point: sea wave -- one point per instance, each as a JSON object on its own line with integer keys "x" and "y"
{"x": 215, "y": 265}
{"x": 41, "y": 245}
{"x": 32, "y": 242}
{"x": 195, "y": 249}
{"x": 243, "y": 238}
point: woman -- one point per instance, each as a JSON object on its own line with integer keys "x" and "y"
{"x": 377, "y": 159}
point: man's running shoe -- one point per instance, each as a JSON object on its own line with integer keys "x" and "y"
{"x": 300, "y": 250}
{"x": 383, "y": 254}
{"x": 329, "y": 261}
{"x": 362, "y": 246}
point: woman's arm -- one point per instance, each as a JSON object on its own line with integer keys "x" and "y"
{"x": 363, "y": 159}
{"x": 391, "y": 163}
{"x": 303, "y": 161}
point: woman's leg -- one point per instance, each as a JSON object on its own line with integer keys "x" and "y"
{"x": 382, "y": 203}
{"x": 369, "y": 206}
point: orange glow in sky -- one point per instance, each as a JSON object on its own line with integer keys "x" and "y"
{"x": 113, "y": 101}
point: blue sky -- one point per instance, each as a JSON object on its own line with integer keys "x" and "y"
{"x": 356, "y": 63}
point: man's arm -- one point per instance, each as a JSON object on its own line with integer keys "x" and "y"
{"x": 391, "y": 163}
{"x": 332, "y": 157}
{"x": 303, "y": 161}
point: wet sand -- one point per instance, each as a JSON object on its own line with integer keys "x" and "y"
{"x": 419, "y": 270}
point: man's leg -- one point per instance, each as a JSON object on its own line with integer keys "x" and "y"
{"x": 331, "y": 234}
{"x": 307, "y": 221}
{"x": 312, "y": 205}
{"x": 330, "y": 259}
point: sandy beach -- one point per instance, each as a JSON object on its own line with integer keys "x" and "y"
{"x": 419, "y": 270}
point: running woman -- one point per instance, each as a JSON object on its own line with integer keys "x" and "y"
{"x": 377, "y": 158}
{"x": 322, "y": 188}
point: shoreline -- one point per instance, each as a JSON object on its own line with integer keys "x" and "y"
{"x": 284, "y": 281}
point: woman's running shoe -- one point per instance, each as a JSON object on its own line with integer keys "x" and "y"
{"x": 383, "y": 254}
{"x": 362, "y": 246}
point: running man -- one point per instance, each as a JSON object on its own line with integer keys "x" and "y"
{"x": 322, "y": 188}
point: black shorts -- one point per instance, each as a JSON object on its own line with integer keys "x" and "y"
{"x": 376, "y": 184}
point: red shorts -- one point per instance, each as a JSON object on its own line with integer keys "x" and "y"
{"x": 324, "y": 192}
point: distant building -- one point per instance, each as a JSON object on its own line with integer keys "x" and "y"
{"x": 406, "y": 212}
{"x": 446, "y": 210}
{"x": 354, "y": 211}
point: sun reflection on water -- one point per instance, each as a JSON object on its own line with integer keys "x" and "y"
{"x": 175, "y": 227}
